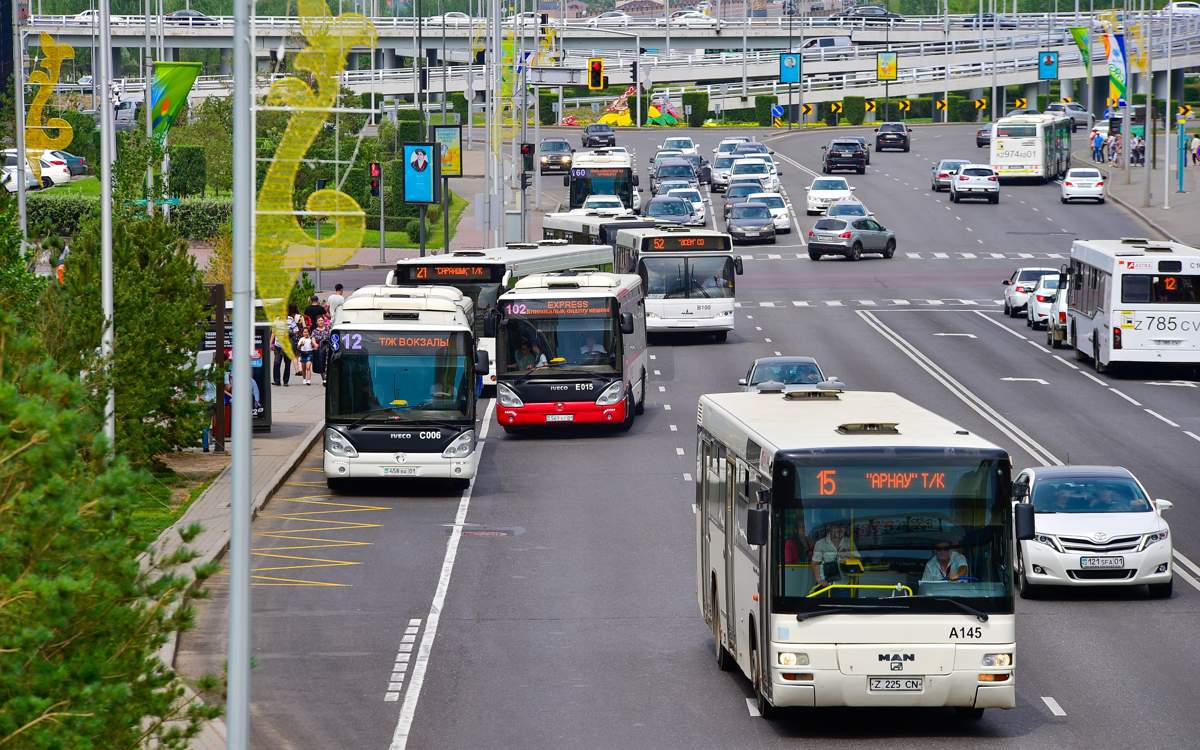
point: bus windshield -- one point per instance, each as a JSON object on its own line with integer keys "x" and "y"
{"x": 892, "y": 536}
{"x": 547, "y": 336}
{"x": 671, "y": 277}
{"x": 1168, "y": 289}
{"x": 587, "y": 181}
{"x": 399, "y": 377}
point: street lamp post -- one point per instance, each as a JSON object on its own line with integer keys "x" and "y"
{"x": 19, "y": 121}
{"x": 1167, "y": 113}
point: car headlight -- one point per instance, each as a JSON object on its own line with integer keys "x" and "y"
{"x": 1049, "y": 541}
{"x": 997, "y": 660}
{"x": 789, "y": 659}
{"x": 506, "y": 396}
{"x": 767, "y": 227}
{"x": 545, "y": 159}
{"x": 338, "y": 444}
{"x": 612, "y": 394}
{"x": 1158, "y": 536}
{"x": 461, "y": 446}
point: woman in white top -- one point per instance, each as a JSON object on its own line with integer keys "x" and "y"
{"x": 307, "y": 346}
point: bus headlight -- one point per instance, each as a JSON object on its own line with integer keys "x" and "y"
{"x": 997, "y": 660}
{"x": 338, "y": 444}
{"x": 789, "y": 659}
{"x": 506, "y": 396}
{"x": 612, "y": 394}
{"x": 461, "y": 446}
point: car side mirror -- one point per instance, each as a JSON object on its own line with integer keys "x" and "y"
{"x": 1163, "y": 505}
{"x": 1024, "y": 522}
{"x": 1006, "y": 282}
{"x": 482, "y": 362}
{"x": 741, "y": 381}
{"x": 626, "y": 323}
{"x": 757, "y": 520}
{"x": 737, "y": 265}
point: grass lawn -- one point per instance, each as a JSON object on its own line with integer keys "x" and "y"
{"x": 433, "y": 230}
{"x": 88, "y": 185}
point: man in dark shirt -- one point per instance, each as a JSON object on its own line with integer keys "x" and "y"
{"x": 314, "y": 311}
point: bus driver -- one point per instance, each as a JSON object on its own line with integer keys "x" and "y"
{"x": 945, "y": 565}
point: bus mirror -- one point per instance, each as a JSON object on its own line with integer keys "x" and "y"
{"x": 737, "y": 265}
{"x": 482, "y": 362}
{"x": 489, "y": 324}
{"x": 626, "y": 323}
{"x": 566, "y": 181}
{"x": 636, "y": 181}
{"x": 756, "y": 526}
{"x": 1024, "y": 521}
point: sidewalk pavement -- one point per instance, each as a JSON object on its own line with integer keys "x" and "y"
{"x": 1179, "y": 222}
{"x": 297, "y": 418}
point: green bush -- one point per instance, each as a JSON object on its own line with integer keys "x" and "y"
{"x": 762, "y": 109}
{"x": 546, "y": 102}
{"x": 698, "y": 101}
{"x": 963, "y": 110}
{"x": 61, "y": 214}
{"x": 854, "y": 109}
{"x": 458, "y": 102}
{"x": 412, "y": 227}
{"x": 188, "y": 175}
{"x": 201, "y": 218}
{"x": 825, "y": 112}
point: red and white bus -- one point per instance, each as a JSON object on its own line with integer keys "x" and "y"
{"x": 571, "y": 349}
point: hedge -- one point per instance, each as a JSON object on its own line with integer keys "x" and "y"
{"x": 201, "y": 218}
{"x": 825, "y": 112}
{"x": 546, "y": 102}
{"x": 459, "y": 102}
{"x": 762, "y": 109}
{"x": 698, "y": 101}
{"x": 188, "y": 175}
{"x": 854, "y": 109}
{"x": 60, "y": 214}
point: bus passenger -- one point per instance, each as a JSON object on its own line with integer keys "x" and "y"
{"x": 945, "y": 565}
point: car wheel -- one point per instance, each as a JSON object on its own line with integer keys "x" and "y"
{"x": 1007, "y": 309}
{"x": 721, "y": 336}
{"x": 861, "y": 170}
{"x": 968, "y": 713}
{"x": 953, "y": 196}
{"x": 1101, "y": 200}
{"x": 814, "y": 255}
{"x": 855, "y": 252}
{"x": 996, "y": 199}
{"x": 824, "y": 169}
{"x": 1064, "y": 200}
{"x": 47, "y": 182}
{"x": 889, "y": 249}
{"x": 1161, "y": 590}
{"x": 1024, "y": 588}
{"x": 906, "y": 149}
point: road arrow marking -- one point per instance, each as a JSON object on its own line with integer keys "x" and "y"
{"x": 1025, "y": 380}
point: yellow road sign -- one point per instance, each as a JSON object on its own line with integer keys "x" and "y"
{"x": 904, "y": 105}
{"x": 981, "y": 103}
{"x": 1020, "y": 102}
{"x": 778, "y": 122}
{"x": 869, "y": 105}
{"x": 1112, "y": 101}
{"x": 1185, "y": 110}
{"x": 806, "y": 109}
{"x": 835, "y": 107}
{"x": 939, "y": 105}
{"x": 1066, "y": 100}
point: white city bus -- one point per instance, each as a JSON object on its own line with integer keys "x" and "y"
{"x": 1133, "y": 300}
{"x": 594, "y": 229}
{"x": 571, "y": 349}
{"x": 483, "y": 275}
{"x": 1031, "y": 146}
{"x": 401, "y": 386}
{"x": 832, "y": 533}
{"x": 688, "y": 276}
{"x": 601, "y": 172}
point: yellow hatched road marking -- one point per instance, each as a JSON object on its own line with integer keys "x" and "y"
{"x": 313, "y": 521}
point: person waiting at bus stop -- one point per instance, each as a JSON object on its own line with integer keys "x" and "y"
{"x": 829, "y": 553}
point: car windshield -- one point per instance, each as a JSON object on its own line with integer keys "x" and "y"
{"x": 687, "y": 195}
{"x": 745, "y": 211}
{"x": 788, "y": 373}
{"x": 668, "y": 208}
{"x": 847, "y": 209}
{"x": 851, "y": 145}
{"x": 599, "y": 129}
{"x": 679, "y": 143}
{"x": 1048, "y": 282}
{"x": 978, "y": 172}
{"x": 770, "y": 200}
{"x": 555, "y": 147}
{"x": 1089, "y": 495}
{"x": 723, "y": 162}
{"x": 725, "y": 148}
{"x": 891, "y": 127}
{"x": 830, "y": 185}
{"x": 536, "y": 339}
{"x": 754, "y": 167}
{"x": 675, "y": 170}
{"x": 667, "y": 277}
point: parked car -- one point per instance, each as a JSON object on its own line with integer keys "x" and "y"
{"x": 1083, "y": 183}
{"x": 556, "y": 155}
{"x": 843, "y": 153}
{"x": 983, "y": 136}
{"x": 1094, "y": 526}
{"x": 850, "y": 238}
{"x": 1019, "y": 286}
{"x": 1041, "y": 301}
{"x": 54, "y": 170}
{"x": 943, "y": 172}
{"x": 77, "y": 165}
{"x": 780, "y": 210}
{"x": 750, "y": 222}
{"x": 9, "y": 178}
{"x": 1076, "y": 111}
{"x": 975, "y": 181}
{"x": 894, "y": 135}
{"x": 826, "y": 190}
{"x": 783, "y": 370}
{"x": 599, "y": 135}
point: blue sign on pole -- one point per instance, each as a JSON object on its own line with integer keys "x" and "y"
{"x": 1048, "y": 66}
{"x": 789, "y": 67}
{"x": 776, "y": 110}
{"x": 421, "y": 162}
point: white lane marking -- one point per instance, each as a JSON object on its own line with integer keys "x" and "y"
{"x": 900, "y": 302}
{"x": 674, "y": 428}
{"x": 1187, "y": 563}
{"x": 766, "y": 304}
{"x": 658, "y": 372}
{"x": 1093, "y": 378}
{"x": 968, "y": 256}
{"x": 1039, "y": 346}
{"x": 1187, "y": 578}
{"x": 780, "y": 354}
{"x": 408, "y": 709}
{"x": 867, "y": 302}
{"x": 406, "y": 647}
{"x": 391, "y": 697}
{"x": 934, "y": 302}
{"x": 1175, "y": 383}
{"x": 397, "y": 676}
{"x": 1052, "y": 704}
{"x": 415, "y": 622}
{"x": 964, "y": 335}
{"x": 655, "y": 357}
{"x": 768, "y": 341}
{"x": 679, "y": 451}
{"x": 799, "y": 303}
{"x": 1026, "y": 380}
{"x": 1025, "y": 255}
{"x": 1156, "y": 415}
{"x": 408, "y": 638}
{"x": 662, "y": 389}
{"x": 666, "y": 407}
{"x": 969, "y": 229}
{"x": 687, "y": 477}
{"x": 1130, "y": 399}
{"x": 1065, "y": 362}
{"x": 833, "y": 303}
{"x": 914, "y": 256}
{"x": 758, "y": 328}
{"x": 942, "y": 256}
{"x": 752, "y": 707}
{"x": 1192, "y": 435}
{"x": 998, "y": 255}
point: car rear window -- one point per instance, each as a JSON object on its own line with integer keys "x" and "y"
{"x": 846, "y": 144}
{"x": 1087, "y": 174}
{"x": 848, "y": 209}
{"x": 891, "y": 127}
{"x": 743, "y": 190}
{"x": 978, "y": 172}
{"x": 830, "y": 225}
{"x": 675, "y": 170}
{"x": 600, "y": 129}
{"x": 1016, "y": 131}
{"x": 1032, "y": 275}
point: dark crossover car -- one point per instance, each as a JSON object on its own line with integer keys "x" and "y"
{"x": 870, "y": 13}
{"x": 555, "y": 155}
{"x": 750, "y": 222}
{"x": 738, "y": 193}
{"x": 844, "y": 153}
{"x": 599, "y": 135}
{"x": 895, "y": 135}
{"x": 189, "y": 16}
{"x": 983, "y": 136}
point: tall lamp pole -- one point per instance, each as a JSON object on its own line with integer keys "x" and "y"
{"x": 19, "y": 121}
{"x": 1168, "y": 118}
{"x": 107, "y": 156}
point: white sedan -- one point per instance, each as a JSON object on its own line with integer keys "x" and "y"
{"x": 453, "y": 18}
{"x": 1093, "y": 526}
{"x": 691, "y": 19}
{"x": 1040, "y": 305}
{"x": 54, "y": 170}
{"x": 610, "y": 18}
{"x": 693, "y": 196}
{"x": 604, "y": 205}
{"x": 824, "y": 191}
{"x": 780, "y": 213}
{"x": 1083, "y": 183}
{"x": 683, "y": 144}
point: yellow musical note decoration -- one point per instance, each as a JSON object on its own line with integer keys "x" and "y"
{"x": 37, "y": 139}
{"x": 282, "y": 246}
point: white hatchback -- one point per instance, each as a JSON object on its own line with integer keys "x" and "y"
{"x": 693, "y": 196}
{"x": 975, "y": 181}
{"x": 826, "y": 190}
{"x": 1040, "y": 304}
{"x": 757, "y": 168}
{"x": 1019, "y": 286}
{"x": 683, "y": 144}
{"x": 1093, "y": 526}
{"x": 781, "y": 214}
{"x": 604, "y": 205}
{"x": 1083, "y": 183}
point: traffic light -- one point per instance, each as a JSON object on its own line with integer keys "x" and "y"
{"x": 375, "y": 173}
{"x": 527, "y": 157}
{"x": 526, "y": 180}
{"x": 634, "y": 72}
{"x": 595, "y": 73}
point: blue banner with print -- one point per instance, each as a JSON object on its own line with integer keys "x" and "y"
{"x": 789, "y": 67}
{"x": 1047, "y": 66}
{"x": 421, "y": 162}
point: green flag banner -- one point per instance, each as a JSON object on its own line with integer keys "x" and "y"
{"x": 169, "y": 91}
{"x": 1082, "y": 39}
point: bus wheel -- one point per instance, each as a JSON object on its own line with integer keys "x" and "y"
{"x": 641, "y": 407}
{"x": 724, "y": 658}
{"x": 720, "y": 336}
{"x": 1097, "y": 365}
{"x": 765, "y": 709}
{"x": 337, "y": 485}
{"x": 628, "y": 421}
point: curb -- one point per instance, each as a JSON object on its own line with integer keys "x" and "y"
{"x": 1151, "y": 223}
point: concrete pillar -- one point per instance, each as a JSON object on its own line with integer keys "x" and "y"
{"x": 1031, "y": 93}
{"x": 226, "y": 64}
{"x": 1066, "y": 88}
{"x": 389, "y": 59}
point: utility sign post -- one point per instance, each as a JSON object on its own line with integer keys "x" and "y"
{"x": 1048, "y": 66}
{"x": 421, "y": 185}
{"x": 449, "y": 141}
{"x": 789, "y": 73}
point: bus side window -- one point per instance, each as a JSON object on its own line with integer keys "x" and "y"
{"x": 741, "y": 503}
{"x": 714, "y": 497}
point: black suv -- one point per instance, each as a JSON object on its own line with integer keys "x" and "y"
{"x": 599, "y": 135}
{"x": 893, "y": 135}
{"x": 555, "y": 155}
{"x": 844, "y": 153}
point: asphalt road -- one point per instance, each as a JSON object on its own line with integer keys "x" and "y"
{"x": 567, "y": 616}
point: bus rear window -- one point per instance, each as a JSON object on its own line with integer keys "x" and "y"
{"x": 1016, "y": 131}
{"x": 1173, "y": 289}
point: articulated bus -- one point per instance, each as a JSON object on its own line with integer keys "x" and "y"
{"x": 571, "y": 349}
{"x": 594, "y": 229}
{"x": 1037, "y": 146}
{"x": 483, "y": 275}
{"x": 855, "y": 549}
{"x": 1133, "y": 300}
{"x": 601, "y": 172}
{"x": 688, "y": 275}
{"x": 401, "y": 391}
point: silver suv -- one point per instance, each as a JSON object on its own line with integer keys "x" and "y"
{"x": 1076, "y": 111}
{"x": 851, "y": 238}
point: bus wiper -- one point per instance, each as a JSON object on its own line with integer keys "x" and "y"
{"x": 389, "y": 410}
{"x": 833, "y": 609}
{"x": 979, "y": 615}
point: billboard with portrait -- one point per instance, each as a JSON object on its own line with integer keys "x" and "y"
{"x": 421, "y": 166}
